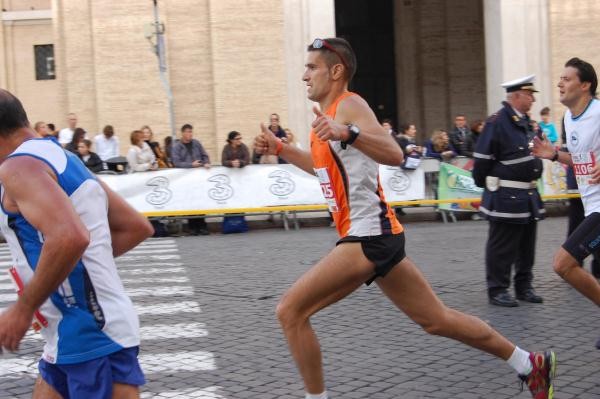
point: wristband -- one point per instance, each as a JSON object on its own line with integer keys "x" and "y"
{"x": 279, "y": 147}
{"x": 555, "y": 156}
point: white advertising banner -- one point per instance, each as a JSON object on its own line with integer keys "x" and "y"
{"x": 255, "y": 186}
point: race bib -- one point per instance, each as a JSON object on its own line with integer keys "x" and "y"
{"x": 583, "y": 165}
{"x": 327, "y": 188}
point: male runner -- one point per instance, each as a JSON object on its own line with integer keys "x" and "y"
{"x": 64, "y": 228}
{"x": 347, "y": 144}
{"x": 577, "y": 88}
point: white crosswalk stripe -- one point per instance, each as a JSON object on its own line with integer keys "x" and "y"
{"x": 152, "y": 270}
{"x": 207, "y": 393}
{"x": 148, "y": 274}
{"x": 160, "y": 291}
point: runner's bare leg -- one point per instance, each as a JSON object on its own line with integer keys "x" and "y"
{"x": 334, "y": 277}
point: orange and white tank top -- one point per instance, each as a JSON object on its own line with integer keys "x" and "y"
{"x": 350, "y": 183}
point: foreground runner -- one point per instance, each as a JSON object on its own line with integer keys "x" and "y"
{"x": 347, "y": 143}
{"x": 577, "y": 85}
{"x": 64, "y": 229}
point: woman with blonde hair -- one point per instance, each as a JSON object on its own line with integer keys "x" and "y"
{"x": 439, "y": 146}
{"x": 160, "y": 156}
{"x": 140, "y": 156}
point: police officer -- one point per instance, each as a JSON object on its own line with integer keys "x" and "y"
{"x": 507, "y": 171}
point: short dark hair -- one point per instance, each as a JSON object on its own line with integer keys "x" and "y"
{"x": 343, "y": 47}
{"x": 108, "y": 129}
{"x": 51, "y": 126}
{"x": 388, "y": 121}
{"x": 232, "y": 135}
{"x": 88, "y": 143}
{"x": 545, "y": 111}
{"x": 12, "y": 114}
{"x": 585, "y": 73}
{"x": 186, "y": 126}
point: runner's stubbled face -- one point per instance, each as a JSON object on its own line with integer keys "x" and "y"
{"x": 570, "y": 88}
{"x": 316, "y": 76}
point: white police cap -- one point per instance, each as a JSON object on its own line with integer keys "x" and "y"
{"x": 525, "y": 83}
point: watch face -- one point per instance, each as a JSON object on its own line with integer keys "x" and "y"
{"x": 354, "y": 129}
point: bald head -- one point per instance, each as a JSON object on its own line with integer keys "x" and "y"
{"x": 12, "y": 114}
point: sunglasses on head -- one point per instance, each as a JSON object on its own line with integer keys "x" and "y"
{"x": 321, "y": 43}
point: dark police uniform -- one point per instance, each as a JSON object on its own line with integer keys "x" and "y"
{"x": 506, "y": 169}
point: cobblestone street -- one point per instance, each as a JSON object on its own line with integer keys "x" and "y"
{"x": 207, "y": 310}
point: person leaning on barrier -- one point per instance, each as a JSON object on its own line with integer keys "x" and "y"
{"x": 140, "y": 156}
{"x": 508, "y": 172}
{"x": 90, "y": 159}
{"x": 459, "y": 135}
{"x": 188, "y": 152}
{"x": 439, "y": 146}
{"x": 476, "y": 129}
{"x": 235, "y": 153}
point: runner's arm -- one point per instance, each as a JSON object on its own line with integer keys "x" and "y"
{"x": 127, "y": 226}
{"x": 32, "y": 185}
{"x": 373, "y": 140}
{"x": 543, "y": 148}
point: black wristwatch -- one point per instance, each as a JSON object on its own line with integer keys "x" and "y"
{"x": 555, "y": 156}
{"x": 353, "y": 132}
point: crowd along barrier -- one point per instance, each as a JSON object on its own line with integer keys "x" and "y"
{"x": 278, "y": 188}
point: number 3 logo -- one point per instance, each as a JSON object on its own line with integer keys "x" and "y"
{"x": 283, "y": 185}
{"x": 161, "y": 194}
{"x": 222, "y": 190}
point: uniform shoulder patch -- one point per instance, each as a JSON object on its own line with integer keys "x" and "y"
{"x": 492, "y": 118}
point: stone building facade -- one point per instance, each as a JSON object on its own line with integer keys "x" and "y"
{"x": 231, "y": 63}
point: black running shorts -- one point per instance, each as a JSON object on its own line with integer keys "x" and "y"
{"x": 384, "y": 251}
{"x": 585, "y": 240}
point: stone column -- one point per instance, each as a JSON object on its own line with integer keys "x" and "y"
{"x": 517, "y": 44}
{"x": 303, "y": 21}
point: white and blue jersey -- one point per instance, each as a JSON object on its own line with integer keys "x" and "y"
{"x": 89, "y": 315}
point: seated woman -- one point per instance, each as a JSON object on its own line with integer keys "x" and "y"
{"x": 90, "y": 159}
{"x": 161, "y": 157}
{"x": 140, "y": 156}
{"x": 78, "y": 136}
{"x": 235, "y": 153}
{"x": 439, "y": 146}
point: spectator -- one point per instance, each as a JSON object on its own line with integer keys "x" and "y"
{"x": 459, "y": 135}
{"x": 78, "y": 136}
{"x": 52, "y": 130}
{"x": 256, "y": 157}
{"x": 169, "y": 150}
{"x": 188, "y": 152}
{"x": 41, "y": 129}
{"x": 90, "y": 159}
{"x": 407, "y": 140}
{"x": 388, "y": 126}
{"x": 235, "y": 153}
{"x": 476, "y": 129}
{"x": 291, "y": 139}
{"x": 160, "y": 156}
{"x": 278, "y": 131}
{"x": 65, "y": 135}
{"x": 107, "y": 144}
{"x": 140, "y": 156}
{"x": 439, "y": 146}
{"x": 547, "y": 126}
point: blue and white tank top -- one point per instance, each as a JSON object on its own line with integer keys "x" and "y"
{"x": 89, "y": 315}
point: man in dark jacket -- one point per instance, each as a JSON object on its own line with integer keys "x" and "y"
{"x": 506, "y": 169}
{"x": 189, "y": 153}
{"x": 459, "y": 135}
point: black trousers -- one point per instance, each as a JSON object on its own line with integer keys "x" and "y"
{"x": 196, "y": 224}
{"x": 508, "y": 244}
{"x": 576, "y": 216}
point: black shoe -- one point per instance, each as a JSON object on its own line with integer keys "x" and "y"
{"x": 529, "y": 295}
{"x": 598, "y": 344}
{"x": 503, "y": 299}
